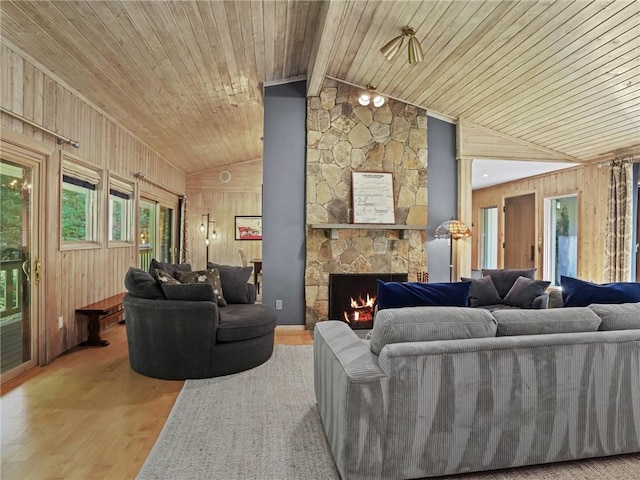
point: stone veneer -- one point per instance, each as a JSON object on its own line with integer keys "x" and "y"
{"x": 343, "y": 136}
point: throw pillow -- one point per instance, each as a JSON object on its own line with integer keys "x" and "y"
{"x": 170, "y": 268}
{"x": 524, "y": 292}
{"x": 579, "y": 293}
{"x": 414, "y": 294}
{"x": 234, "y": 281}
{"x": 482, "y": 292}
{"x": 194, "y": 292}
{"x": 625, "y": 316}
{"x": 504, "y": 279}
{"x": 140, "y": 284}
{"x": 211, "y": 276}
{"x": 164, "y": 277}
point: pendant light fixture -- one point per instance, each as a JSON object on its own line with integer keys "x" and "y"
{"x": 391, "y": 48}
{"x": 371, "y": 96}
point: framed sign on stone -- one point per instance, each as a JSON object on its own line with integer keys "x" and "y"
{"x": 373, "y": 197}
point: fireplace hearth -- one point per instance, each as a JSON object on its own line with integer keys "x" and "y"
{"x": 352, "y": 296}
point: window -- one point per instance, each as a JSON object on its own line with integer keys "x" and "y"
{"x": 561, "y": 238}
{"x": 489, "y": 238}
{"x": 80, "y": 194}
{"x": 120, "y": 211}
{"x": 78, "y": 210}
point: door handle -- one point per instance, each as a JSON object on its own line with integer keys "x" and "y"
{"x": 532, "y": 255}
{"x": 26, "y": 269}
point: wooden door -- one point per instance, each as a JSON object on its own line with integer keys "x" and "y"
{"x": 520, "y": 232}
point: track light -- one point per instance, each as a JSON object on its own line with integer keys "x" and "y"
{"x": 371, "y": 95}
{"x": 391, "y": 48}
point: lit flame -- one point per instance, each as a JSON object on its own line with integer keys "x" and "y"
{"x": 368, "y": 303}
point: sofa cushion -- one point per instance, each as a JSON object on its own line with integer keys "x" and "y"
{"x": 624, "y": 316}
{"x": 240, "y": 322}
{"x": 198, "y": 292}
{"x": 170, "y": 268}
{"x": 210, "y": 276}
{"x": 524, "y": 291}
{"x": 414, "y": 294}
{"x": 141, "y": 284}
{"x": 482, "y": 292}
{"x": 538, "y": 322}
{"x": 504, "y": 279}
{"x": 234, "y": 281}
{"x": 579, "y": 293}
{"x": 421, "y": 324}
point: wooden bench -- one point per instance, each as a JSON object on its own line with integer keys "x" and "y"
{"x": 107, "y": 308}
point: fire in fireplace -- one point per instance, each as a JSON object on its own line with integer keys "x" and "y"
{"x": 352, "y": 296}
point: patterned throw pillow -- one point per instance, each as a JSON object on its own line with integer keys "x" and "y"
{"x": 164, "y": 278}
{"x": 211, "y": 276}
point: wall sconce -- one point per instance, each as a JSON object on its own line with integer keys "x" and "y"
{"x": 209, "y": 230}
{"x": 371, "y": 96}
{"x": 392, "y": 47}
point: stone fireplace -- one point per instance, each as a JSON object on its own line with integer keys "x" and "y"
{"x": 342, "y": 137}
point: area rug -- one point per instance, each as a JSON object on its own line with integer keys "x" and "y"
{"x": 258, "y": 424}
{"x": 263, "y": 424}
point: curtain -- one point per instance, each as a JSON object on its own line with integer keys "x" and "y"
{"x": 184, "y": 250}
{"x": 618, "y": 237}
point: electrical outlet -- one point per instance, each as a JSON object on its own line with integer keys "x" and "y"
{"x": 60, "y": 322}
{"x": 278, "y": 304}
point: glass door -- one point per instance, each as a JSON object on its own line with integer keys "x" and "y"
{"x": 20, "y": 267}
{"x": 155, "y": 224}
{"x": 147, "y": 232}
{"x": 561, "y": 238}
{"x": 165, "y": 224}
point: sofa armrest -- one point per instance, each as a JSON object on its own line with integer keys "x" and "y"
{"x": 351, "y": 394}
{"x": 541, "y": 302}
{"x": 183, "y": 331}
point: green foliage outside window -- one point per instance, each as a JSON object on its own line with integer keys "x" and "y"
{"x": 74, "y": 215}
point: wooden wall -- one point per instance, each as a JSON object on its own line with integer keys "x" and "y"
{"x": 591, "y": 185}
{"x": 241, "y": 195}
{"x": 73, "y": 278}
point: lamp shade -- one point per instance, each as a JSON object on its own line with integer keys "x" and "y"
{"x": 415, "y": 51}
{"x": 391, "y": 48}
{"x": 454, "y": 229}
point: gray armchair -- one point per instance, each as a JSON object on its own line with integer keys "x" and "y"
{"x": 181, "y": 339}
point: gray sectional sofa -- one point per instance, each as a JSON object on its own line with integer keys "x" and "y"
{"x": 447, "y": 390}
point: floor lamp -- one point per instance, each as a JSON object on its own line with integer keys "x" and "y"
{"x": 452, "y": 230}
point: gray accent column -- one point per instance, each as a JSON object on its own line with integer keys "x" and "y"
{"x": 283, "y": 200}
{"x": 442, "y": 187}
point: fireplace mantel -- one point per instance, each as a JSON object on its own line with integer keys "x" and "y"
{"x": 331, "y": 229}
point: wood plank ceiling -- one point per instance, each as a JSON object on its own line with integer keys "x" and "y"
{"x": 187, "y": 77}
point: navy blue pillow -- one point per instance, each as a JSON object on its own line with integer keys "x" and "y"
{"x": 578, "y": 293}
{"x": 410, "y": 294}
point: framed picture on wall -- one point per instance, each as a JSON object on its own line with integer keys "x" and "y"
{"x": 373, "y": 197}
{"x": 248, "y": 227}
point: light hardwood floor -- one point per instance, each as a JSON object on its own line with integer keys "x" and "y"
{"x": 88, "y": 415}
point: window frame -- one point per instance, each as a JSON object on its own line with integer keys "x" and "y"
{"x": 120, "y": 187}
{"x": 82, "y": 172}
